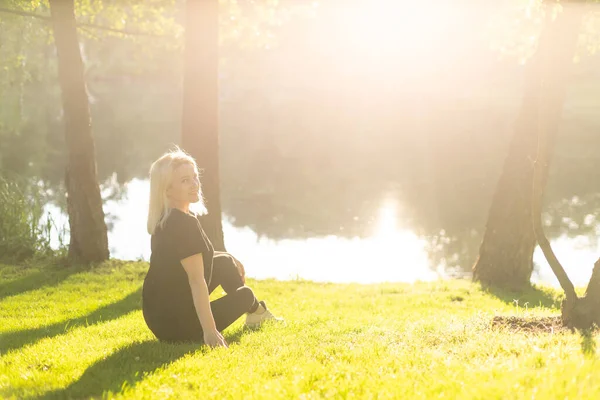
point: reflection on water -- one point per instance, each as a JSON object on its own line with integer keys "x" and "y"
{"x": 390, "y": 253}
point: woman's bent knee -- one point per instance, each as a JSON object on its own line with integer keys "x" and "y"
{"x": 223, "y": 260}
{"x": 226, "y": 274}
{"x": 225, "y": 265}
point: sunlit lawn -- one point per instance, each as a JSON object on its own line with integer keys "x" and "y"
{"x": 66, "y": 333}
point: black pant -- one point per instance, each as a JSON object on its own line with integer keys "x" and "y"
{"x": 239, "y": 299}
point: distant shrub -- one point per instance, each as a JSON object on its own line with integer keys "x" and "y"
{"x": 24, "y": 229}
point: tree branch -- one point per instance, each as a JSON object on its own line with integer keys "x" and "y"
{"x": 556, "y": 68}
{"x": 25, "y": 14}
{"x": 47, "y": 18}
{"x": 538, "y": 229}
{"x": 539, "y": 167}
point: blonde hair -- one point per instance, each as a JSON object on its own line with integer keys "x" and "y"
{"x": 161, "y": 176}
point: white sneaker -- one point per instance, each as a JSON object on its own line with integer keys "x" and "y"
{"x": 262, "y": 314}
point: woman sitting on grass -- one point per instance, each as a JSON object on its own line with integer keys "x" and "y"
{"x": 185, "y": 269}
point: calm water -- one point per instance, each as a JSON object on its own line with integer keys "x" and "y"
{"x": 390, "y": 253}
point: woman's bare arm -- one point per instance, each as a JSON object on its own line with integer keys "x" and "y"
{"x": 194, "y": 267}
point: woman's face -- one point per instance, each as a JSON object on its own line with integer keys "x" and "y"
{"x": 185, "y": 186}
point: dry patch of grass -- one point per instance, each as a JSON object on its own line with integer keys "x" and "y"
{"x": 531, "y": 324}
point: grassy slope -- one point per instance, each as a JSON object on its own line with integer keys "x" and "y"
{"x": 67, "y": 333}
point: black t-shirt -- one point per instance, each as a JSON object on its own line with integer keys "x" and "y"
{"x": 167, "y": 297}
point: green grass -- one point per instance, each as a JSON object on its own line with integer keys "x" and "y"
{"x": 71, "y": 333}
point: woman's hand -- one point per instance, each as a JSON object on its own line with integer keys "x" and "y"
{"x": 213, "y": 338}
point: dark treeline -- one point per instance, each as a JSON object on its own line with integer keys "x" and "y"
{"x": 314, "y": 134}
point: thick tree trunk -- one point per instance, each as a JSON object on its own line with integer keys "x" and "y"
{"x": 200, "y": 128}
{"x": 89, "y": 242}
{"x": 506, "y": 252}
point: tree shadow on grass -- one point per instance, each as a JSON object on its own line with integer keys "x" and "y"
{"x": 127, "y": 367}
{"x": 17, "y": 339}
{"x": 50, "y": 277}
{"x": 528, "y": 298}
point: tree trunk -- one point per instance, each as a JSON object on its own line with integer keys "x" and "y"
{"x": 506, "y": 252}
{"x": 89, "y": 242}
{"x": 200, "y": 127}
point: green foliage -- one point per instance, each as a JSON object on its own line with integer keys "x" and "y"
{"x": 312, "y": 136}
{"x": 24, "y": 231}
{"x": 515, "y": 28}
{"x": 68, "y": 333}
{"x": 145, "y": 64}
{"x": 255, "y": 24}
